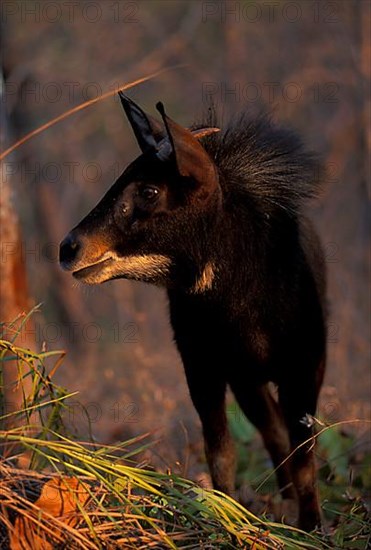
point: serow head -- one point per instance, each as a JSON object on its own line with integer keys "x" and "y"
{"x": 151, "y": 223}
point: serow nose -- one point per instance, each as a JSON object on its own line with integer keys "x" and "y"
{"x": 68, "y": 251}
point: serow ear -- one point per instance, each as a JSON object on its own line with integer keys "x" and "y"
{"x": 148, "y": 131}
{"x": 191, "y": 158}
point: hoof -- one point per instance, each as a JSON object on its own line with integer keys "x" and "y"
{"x": 287, "y": 512}
{"x": 310, "y": 522}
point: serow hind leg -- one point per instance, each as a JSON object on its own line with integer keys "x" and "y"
{"x": 297, "y": 401}
{"x": 263, "y": 411}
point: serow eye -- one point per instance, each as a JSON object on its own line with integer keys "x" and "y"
{"x": 149, "y": 193}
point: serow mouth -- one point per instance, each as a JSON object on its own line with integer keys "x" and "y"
{"x": 91, "y": 270}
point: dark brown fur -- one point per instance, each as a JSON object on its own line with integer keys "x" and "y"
{"x": 218, "y": 219}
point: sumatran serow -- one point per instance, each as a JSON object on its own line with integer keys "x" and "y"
{"x": 217, "y": 218}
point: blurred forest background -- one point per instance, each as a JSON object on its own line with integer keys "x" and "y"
{"x": 308, "y": 62}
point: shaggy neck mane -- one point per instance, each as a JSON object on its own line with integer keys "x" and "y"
{"x": 264, "y": 164}
{"x": 274, "y": 177}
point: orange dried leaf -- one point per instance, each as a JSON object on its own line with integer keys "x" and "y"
{"x": 60, "y": 498}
